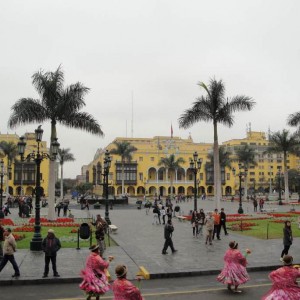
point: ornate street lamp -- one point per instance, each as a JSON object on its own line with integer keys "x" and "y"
{"x": 241, "y": 174}
{"x": 1, "y": 188}
{"x": 107, "y": 164}
{"x": 37, "y": 157}
{"x": 195, "y": 166}
{"x": 279, "y": 186}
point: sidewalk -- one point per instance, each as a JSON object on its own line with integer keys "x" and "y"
{"x": 140, "y": 244}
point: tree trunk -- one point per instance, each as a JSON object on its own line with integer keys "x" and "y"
{"x": 61, "y": 181}
{"x": 217, "y": 183}
{"x": 286, "y": 179}
{"x": 51, "y": 187}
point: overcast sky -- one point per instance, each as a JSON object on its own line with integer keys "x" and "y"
{"x": 156, "y": 51}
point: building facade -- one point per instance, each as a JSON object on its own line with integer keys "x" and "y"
{"x": 20, "y": 177}
{"x": 143, "y": 175}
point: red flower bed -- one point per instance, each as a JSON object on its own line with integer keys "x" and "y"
{"x": 32, "y": 220}
{"x": 74, "y": 231}
{"x": 24, "y": 229}
{"x": 245, "y": 219}
{"x": 279, "y": 215}
{"x": 242, "y": 226}
{"x": 7, "y": 222}
{"x": 19, "y": 237}
{"x": 278, "y": 221}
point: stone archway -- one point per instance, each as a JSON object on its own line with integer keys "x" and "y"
{"x": 131, "y": 191}
{"x": 190, "y": 191}
{"x": 152, "y": 191}
{"x": 210, "y": 190}
{"x": 181, "y": 190}
{"x": 119, "y": 190}
{"x": 140, "y": 191}
{"x": 29, "y": 191}
{"x": 162, "y": 190}
{"x": 228, "y": 190}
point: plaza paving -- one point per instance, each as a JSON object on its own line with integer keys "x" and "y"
{"x": 140, "y": 244}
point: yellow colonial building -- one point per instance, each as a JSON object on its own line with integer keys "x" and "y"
{"x": 19, "y": 178}
{"x": 143, "y": 175}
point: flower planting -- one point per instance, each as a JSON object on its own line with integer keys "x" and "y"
{"x": 7, "y": 222}
{"x": 242, "y": 226}
{"x": 19, "y": 237}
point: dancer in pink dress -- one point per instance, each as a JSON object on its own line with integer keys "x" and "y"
{"x": 95, "y": 282}
{"x": 234, "y": 271}
{"x": 284, "y": 280}
{"x": 123, "y": 289}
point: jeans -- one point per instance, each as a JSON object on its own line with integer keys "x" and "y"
{"x": 12, "y": 260}
{"x": 47, "y": 262}
{"x": 102, "y": 246}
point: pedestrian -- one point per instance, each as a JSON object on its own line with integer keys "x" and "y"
{"x": 217, "y": 220}
{"x": 95, "y": 282}
{"x": 9, "y": 248}
{"x": 163, "y": 214}
{"x": 101, "y": 229}
{"x": 261, "y": 204}
{"x": 122, "y": 288}
{"x": 287, "y": 239}
{"x": 209, "y": 222}
{"x": 50, "y": 245}
{"x": 147, "y": 206}
{"x": 59, "y": 207}
{"x": 255, "y": 205}
{"x": 168, "y": 232}
{"x": 155, "y": 215}
{"x": 201, "y": 222}
{"x": 194, "y": 222}
{"x": 2, "y": 230}
{"x": 65, "y": 208}
{"x": 223, "y": 221}
{"x": 284, "y": 282}
{"x": 234, "y": 272}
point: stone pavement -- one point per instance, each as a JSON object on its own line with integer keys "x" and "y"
{"x": 140, "y": 244}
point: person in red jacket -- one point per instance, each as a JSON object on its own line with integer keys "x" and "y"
{"x": 217, "y": 226}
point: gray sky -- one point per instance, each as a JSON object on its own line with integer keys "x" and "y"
{"x": 158, "y": 50}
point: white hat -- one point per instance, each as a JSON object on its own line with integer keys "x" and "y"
{"x": 50, "y": 231}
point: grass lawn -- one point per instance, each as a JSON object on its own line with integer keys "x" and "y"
{"x": 67, "y": 239}
{"x": 266, "y": 229}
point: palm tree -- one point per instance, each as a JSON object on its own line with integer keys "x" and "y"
{"x": 224, "y": 158}
{"x": 9, "y": 150}
{"x": 294, "y": 119}
{"x": 216, "y": 108}
{"x": 246, "y": 156}
{"x": 64, "y": 155}
{"x": 284, "y": 142}
{"x": 125, "y": 150}
{"x": 57, "y": 104}
{"x": 171, "y": 164}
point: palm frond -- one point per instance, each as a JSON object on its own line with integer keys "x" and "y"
{"x": 81, "y": 120}
{"x": 25, "y": 111}
{"x": 294, "y": 119}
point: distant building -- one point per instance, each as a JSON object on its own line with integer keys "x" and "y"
{"x": 20, "y": 177}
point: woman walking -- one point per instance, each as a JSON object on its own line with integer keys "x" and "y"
{"x": 123, "y": 289}
{"x": 194, "y": 221}
{"x": 287, "y": 239}
{"x": 95, "y": 282}
{"x": 284, "y": 281}
{"x": 210, "y": 221}
{"x": 234, "y": 272}
{"x": 201, "y": 222}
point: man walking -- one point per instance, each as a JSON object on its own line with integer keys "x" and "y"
{"x": 217, "y": 227}
{"x": 168, "y": 237}
{"x": 101, "y": 228}
{"x": 223, "y": 221}
{"x": 50, "y": 246}
{"x": 9, "y": 248}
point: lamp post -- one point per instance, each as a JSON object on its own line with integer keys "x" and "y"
{"x": 195, "y": 166}
{"x": 37, "y": 157}
{"x": 241, "y": 174}
{"x": 107, "y": 164}
{"x": 279, "y": 186}
{"x": 1, "y": 190}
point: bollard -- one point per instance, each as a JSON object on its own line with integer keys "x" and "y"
{"x": 78, "y": 239}
{"x": 267, "y": 230}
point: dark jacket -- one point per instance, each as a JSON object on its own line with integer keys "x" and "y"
{"x": 51, "y": 245}
{"x": 287, "y": 236}
{"x": 223, "y": 217}
{"x": 1, "y": 233}
{"x": 168, "y": 231}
